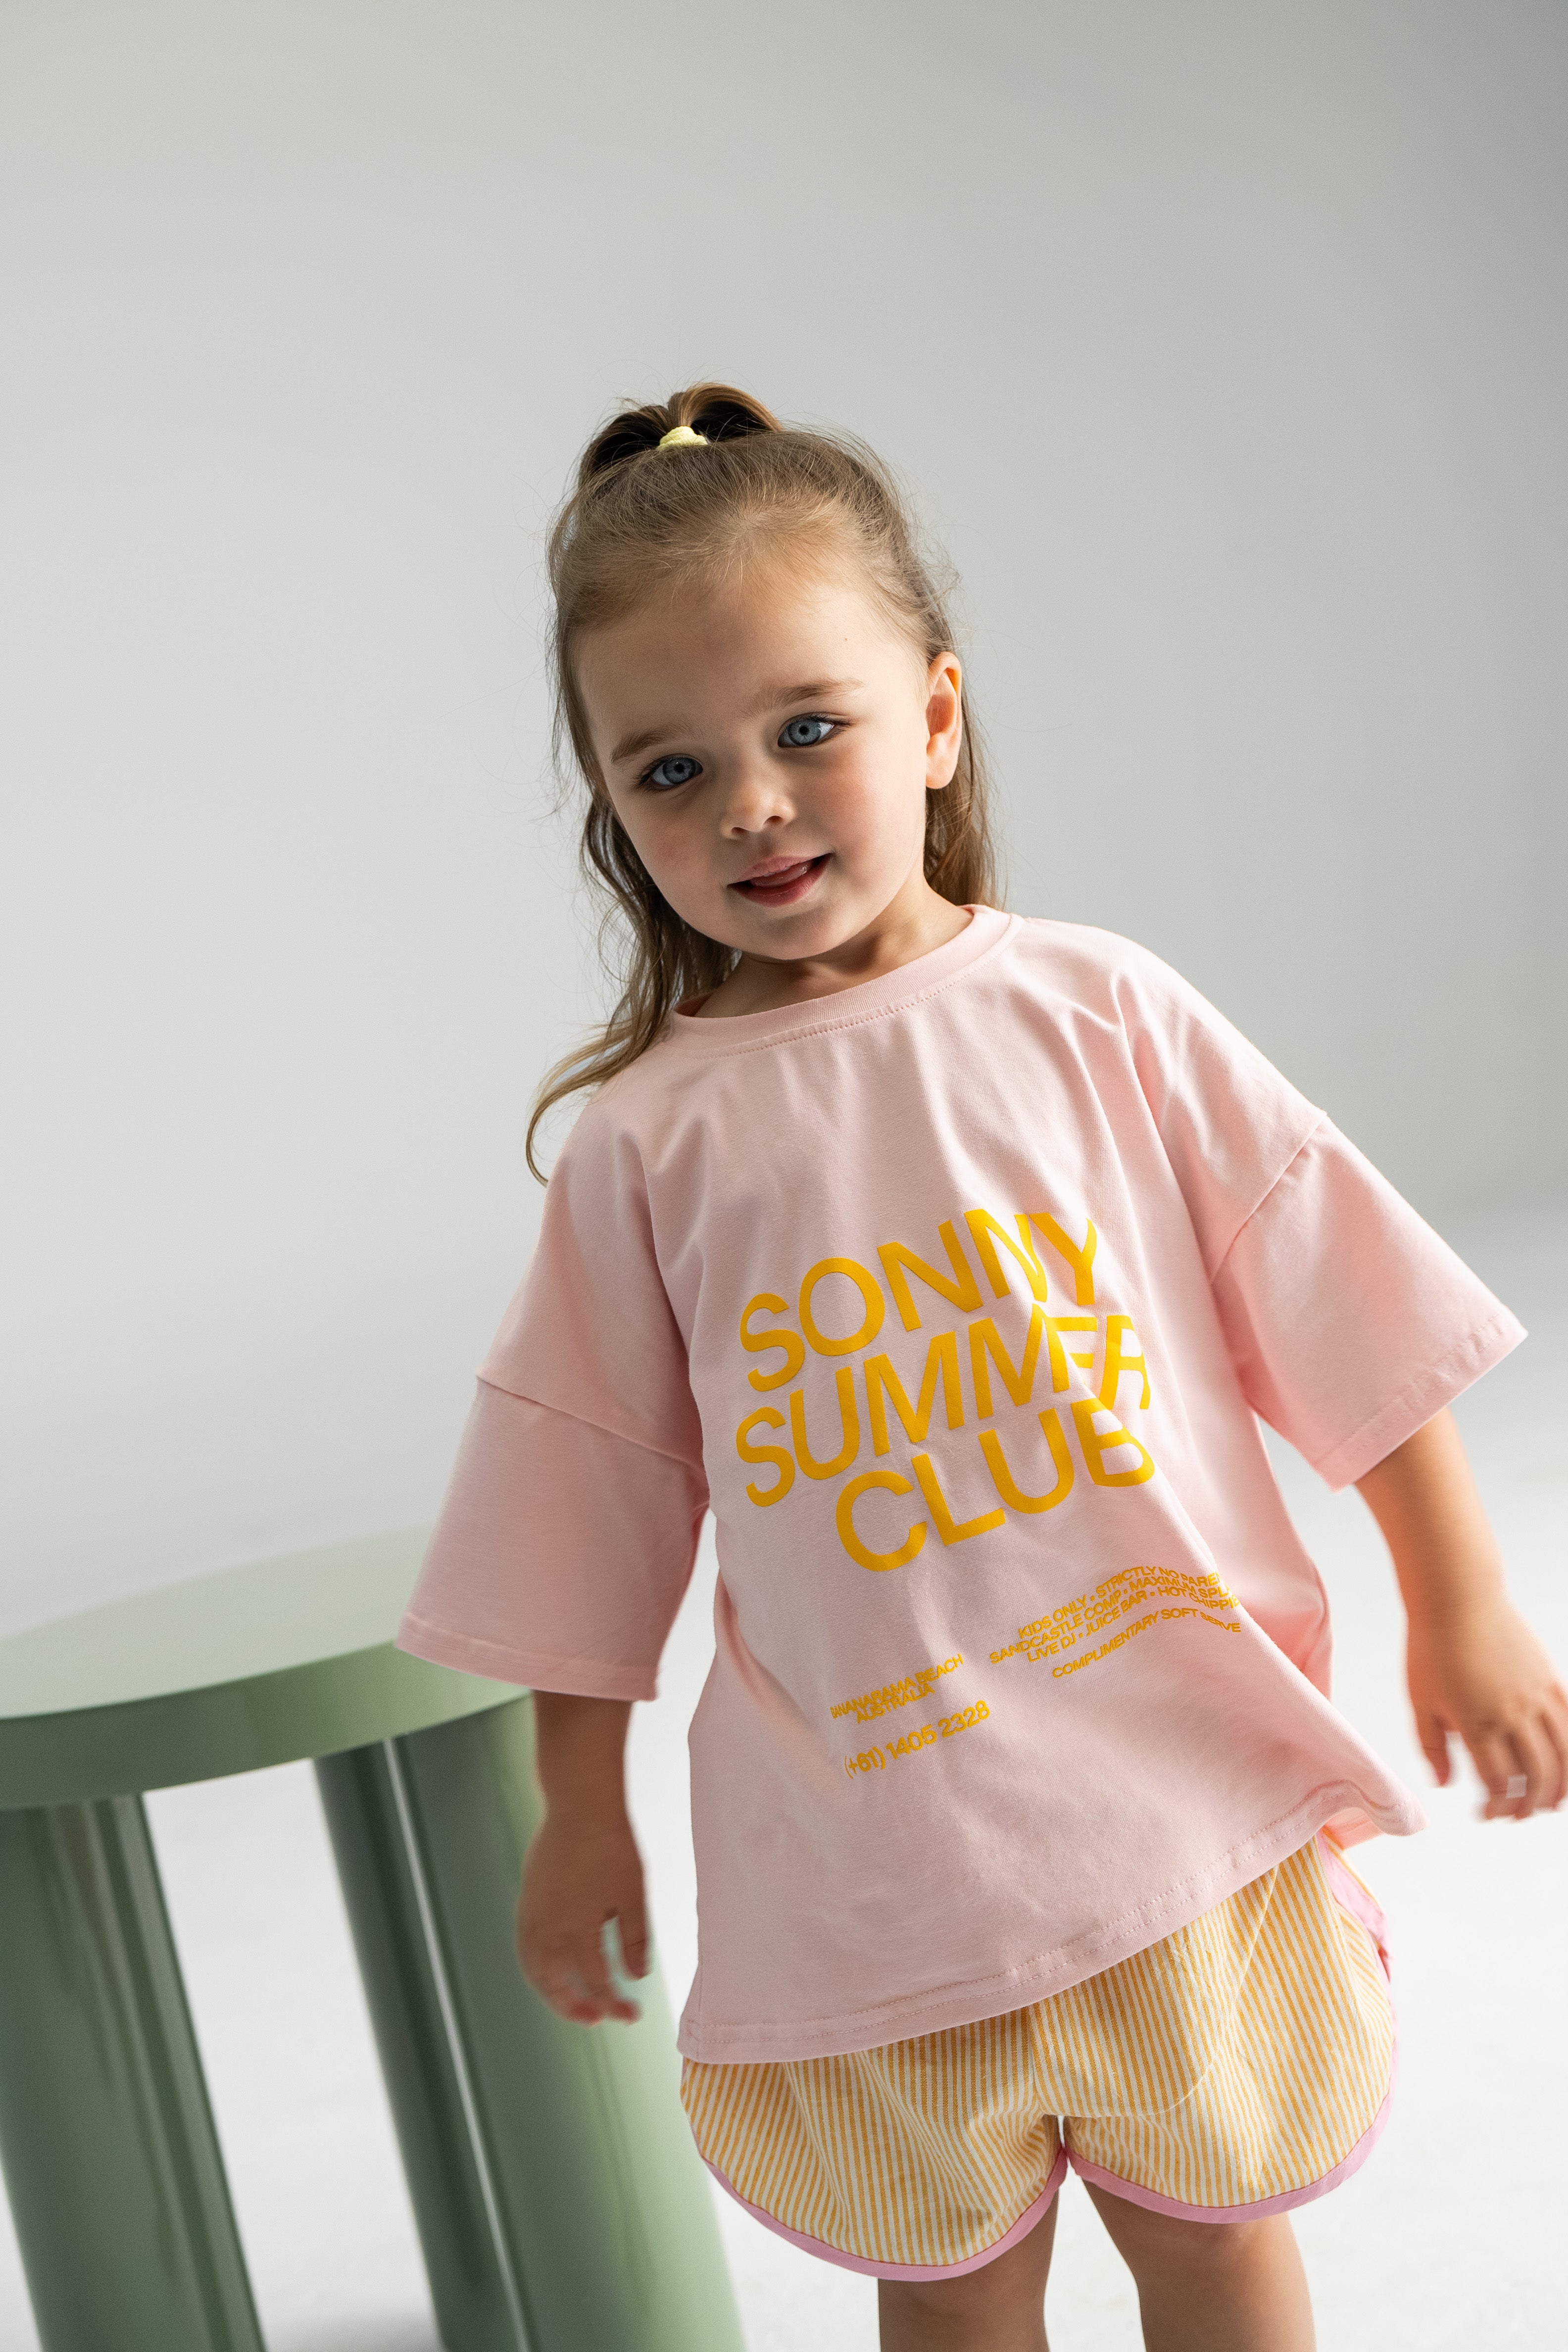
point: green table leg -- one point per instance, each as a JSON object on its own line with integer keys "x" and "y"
{"x": 559, "y": 2200}
{"x": 113, "y": 2164}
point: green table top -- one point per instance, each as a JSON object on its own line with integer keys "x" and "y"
{"x": 226, "y": 1673}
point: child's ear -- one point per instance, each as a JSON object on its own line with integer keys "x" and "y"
{"x": 944, "y": 719}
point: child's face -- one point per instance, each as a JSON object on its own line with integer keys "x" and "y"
{"x": 769, "y": 750}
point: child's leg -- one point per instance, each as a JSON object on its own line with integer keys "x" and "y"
{"x": 1000, "y": 2308}
{"x": 1211, "y": 2286}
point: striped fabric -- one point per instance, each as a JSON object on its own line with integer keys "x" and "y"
{"x": 1238, "y": 2062}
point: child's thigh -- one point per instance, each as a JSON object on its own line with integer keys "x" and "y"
{"x": 1211, "y": 2286}
{"x": 1000, "y": 2308}
{"x": 1156, "y": 2244}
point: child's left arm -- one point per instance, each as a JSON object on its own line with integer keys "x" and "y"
{"x": 1474, "y": 1665}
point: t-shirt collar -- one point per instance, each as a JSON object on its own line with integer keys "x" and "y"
{"x": 890, "y": 992}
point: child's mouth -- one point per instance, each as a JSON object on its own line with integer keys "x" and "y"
{"x": 780, "y": 881}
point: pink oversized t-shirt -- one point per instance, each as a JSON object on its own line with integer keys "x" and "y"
{"x": 954, "y": 1297}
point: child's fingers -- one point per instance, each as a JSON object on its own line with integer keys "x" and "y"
{"x": 571, "y": 1975}
{"x": 1541, "y": 1764}
{"x": 558, "y": 1984}
{"x": 632, "y": 1925}
{"x": 551, "y": 1972}
{"x": 599, "y": 1986}
{"x": 1498, "y": 1766}
{"x": 1434, "y": 1738}
{"x": 1518, "y": 1769}
{"x": 584, "y": 1993}
{"x": 1554, "y": 1725}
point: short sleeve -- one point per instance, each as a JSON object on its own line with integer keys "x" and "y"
{"x": 1349, "y": 1320}
{"x": 1229, "y": 1121}
{"x": 591, "y": 1330}
{"x": 560, "y": 1555}
{"x": 568, "y": 1532}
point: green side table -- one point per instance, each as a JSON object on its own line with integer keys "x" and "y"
{"x": 560, "y": 2202}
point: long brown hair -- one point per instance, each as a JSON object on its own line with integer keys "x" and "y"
{"x": 639, "y": 520}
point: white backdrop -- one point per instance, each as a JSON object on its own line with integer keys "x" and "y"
{"x": 1225, "y": 345}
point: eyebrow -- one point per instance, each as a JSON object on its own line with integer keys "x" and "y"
{"x": 814, "y": 689}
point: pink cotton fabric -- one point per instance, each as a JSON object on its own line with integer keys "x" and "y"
{"x": 1041, "y": 1130}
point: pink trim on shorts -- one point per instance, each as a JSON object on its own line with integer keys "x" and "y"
{"x": 1350, "y": 1895}
{"x": 1263, "y": 2205}
{"x": 1353, "y": 1896}
{"x": 914, "y": 2271}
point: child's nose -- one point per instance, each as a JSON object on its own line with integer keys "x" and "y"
{"x": 757, "y": 797}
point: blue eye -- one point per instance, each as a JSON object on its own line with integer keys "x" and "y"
{"x": 671, "y": 772}
{"x": 800, "y": 734}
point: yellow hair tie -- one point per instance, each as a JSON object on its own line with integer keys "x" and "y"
{"x": 682, "y": 437}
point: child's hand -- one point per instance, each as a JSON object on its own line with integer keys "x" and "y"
{"x": 1481, "y": 1674}
{"x": 577, "y": 1877}
{"x": 1475, "y": 1666}
{"x": 584, "y": 1868}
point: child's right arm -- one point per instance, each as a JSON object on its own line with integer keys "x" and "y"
{"x": 565, "y": 1541}
{"x": 582, "y": 1868}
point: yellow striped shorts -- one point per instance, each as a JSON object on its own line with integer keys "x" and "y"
{"x": 1238, "y": 2067}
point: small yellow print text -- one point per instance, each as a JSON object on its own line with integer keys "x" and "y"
{"x": 1091, "y": 1613}
{"x": 905, "y": 1692}
{"x": 946, "y": 1726}
{"x": 1141, "y": 1625}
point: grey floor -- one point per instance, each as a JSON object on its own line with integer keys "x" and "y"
{"x": 1448, "y": 2239}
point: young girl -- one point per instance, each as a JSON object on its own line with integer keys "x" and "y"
{"x": 951, "y": 1258}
